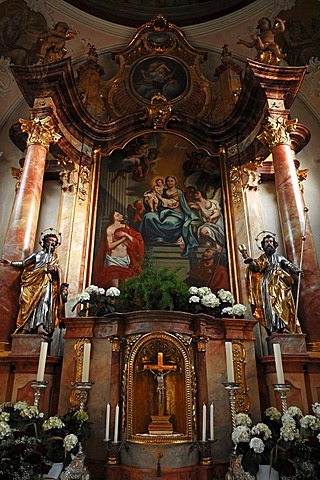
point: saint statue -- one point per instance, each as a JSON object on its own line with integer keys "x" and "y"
{"x": 269, "y": 284}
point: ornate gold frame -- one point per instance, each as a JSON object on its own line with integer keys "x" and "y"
{"x": 130, "y": 392}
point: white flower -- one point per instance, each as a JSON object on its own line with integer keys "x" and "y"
{"x": 256, "y": 444}
{"x": 294, "y": 411}
{"x": 70, "y": 441}
{"x": 4, "y": 417}
{"x": 225, "y": 296}
{"x": 288, "y": 420}
{"x": 262, "y": 428}
{"x": 210, "y": 300}
{"x": 52, "y": 422}
{"x": 238, "y": 309}
{"x": 241, "y": 434}
{"x": 288, "y": 433}
{"x": 316, "y": 408}
{"x": 5, "y": 430}
{"x": 227, "y": 311}
{"x": 101, "y": 291}
{"x": 202, "y": 291}
{"x": 310, "y": 421}
{"x": 31, "y": 411}
{"x": 20, "y": 405}
{"x": 92, "y": 290}
{"x": 83, "y": 296}
{"x": 273, "y": 413}
{"x": 113, "y": 292}
{"x": 194, "y": 299}
{"x": 193, "y": 291}
{"x": 243, "y": 419}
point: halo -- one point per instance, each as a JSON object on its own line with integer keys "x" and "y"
{"x": 262, "y": 233}
{"x": 48, "y": 231}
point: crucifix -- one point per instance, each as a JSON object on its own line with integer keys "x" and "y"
{"x": 159, "y": 371}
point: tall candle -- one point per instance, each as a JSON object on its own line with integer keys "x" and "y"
{"x": 116, "y": 424}
{"x": 204, "y": 422}
{"x": 211, "y": 421}
{"x": 86, "y": 362}
{"x": 107, "y": 437}
{"x": 42, "y": 361}
{"x": 229, "y": 358}
{"x": 278, "y": 362}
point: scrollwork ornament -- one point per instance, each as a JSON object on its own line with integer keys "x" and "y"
{"x": 201, "y": 342}
{"x": 40, "y": 131}
{"x": 235, "y": 182}
{"x": 276, "y": 131}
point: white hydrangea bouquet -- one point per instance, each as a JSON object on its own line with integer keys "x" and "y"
{"x": 29, "y": 444}
{"x": 96, "y": 301}
{"x": 290, "y": 443}
{"x": 202, "y": 299}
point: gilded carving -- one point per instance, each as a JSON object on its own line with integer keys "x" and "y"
{"x": 236, "y": 184}
{"x": 159, "y": 112}
{"x": 78, "y": 352}
{"x": 253, "y": 176}
{"x": 116, "y": 342}
{"x": 277, "y": 131}
{"x": 239, "y": 357}
{"x": 72, "y": 179}
{"x": 40, "y": 131}
{"x": 201, "y": 342}
{"x": 16, "y": 173}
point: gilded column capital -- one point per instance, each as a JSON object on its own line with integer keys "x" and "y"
{"x": 276, "y": 131}
{"x": 201, "y": 342}
{"x": 116, "y": 342}
{"x": 40, "y": 131}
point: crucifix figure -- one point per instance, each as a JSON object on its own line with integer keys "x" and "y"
{"x": 159, "y": 371}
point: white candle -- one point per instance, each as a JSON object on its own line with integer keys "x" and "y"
{"x": 229, "y": 358}
{"x": 116, "y": 424}
{"x": 42, "y": 361}
{"x": 86, "y": 362}
{"x": 107, "y": 437}
{"x": 204, "y": 422}
{"x": 278, "y": 361}
{"x": 211, "y": 421}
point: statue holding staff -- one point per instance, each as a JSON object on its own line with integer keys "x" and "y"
{"x": 270, "y": 279}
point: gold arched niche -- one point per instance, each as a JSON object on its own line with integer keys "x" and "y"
{"x": 173, "y": 422}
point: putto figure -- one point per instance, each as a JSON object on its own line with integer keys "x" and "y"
{"x": 39, "y": 301}
{"x": 269, "y": 283}
{"x": 268, "y": 51}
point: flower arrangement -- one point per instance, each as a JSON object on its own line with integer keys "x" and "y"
{"x": 96, "y": 301}
{"x": 29, "y": 444}
{"x": 221, "y": 305}
{"x": 290, "y": 443}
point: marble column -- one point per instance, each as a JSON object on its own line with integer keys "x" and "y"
{"x": 22, "y": 227}
{"x": 115, "y": 379}
{"x": 295, "y": 224}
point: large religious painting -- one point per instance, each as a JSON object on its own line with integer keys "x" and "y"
{"x": 161, "y": 195}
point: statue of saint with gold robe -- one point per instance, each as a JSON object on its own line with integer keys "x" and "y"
{"x": 269, "y": 284}
{"x": 39, "y": 300}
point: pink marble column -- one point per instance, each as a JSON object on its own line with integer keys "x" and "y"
{"x": 20, "y": 236}
{"x": 296, "y": 227}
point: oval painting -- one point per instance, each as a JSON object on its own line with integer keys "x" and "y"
{"x": 162, "y": 75}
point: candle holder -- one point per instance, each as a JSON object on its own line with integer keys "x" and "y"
{"x": 231, "y": 388}
{"x": 113, "y": 451}
{"x": 38, "y": 386}
{"x": 204, "y": 449}
{"x": 84, "y": 388}
{"x": 282, "y": 388}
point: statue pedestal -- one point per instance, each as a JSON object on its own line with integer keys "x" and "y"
{"x": 291, "y": 343}
{"x": 26, "y": 344}
{"x": 160, "y": 425}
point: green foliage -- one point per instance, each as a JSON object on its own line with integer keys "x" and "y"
{"x": 154, "y": 289}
